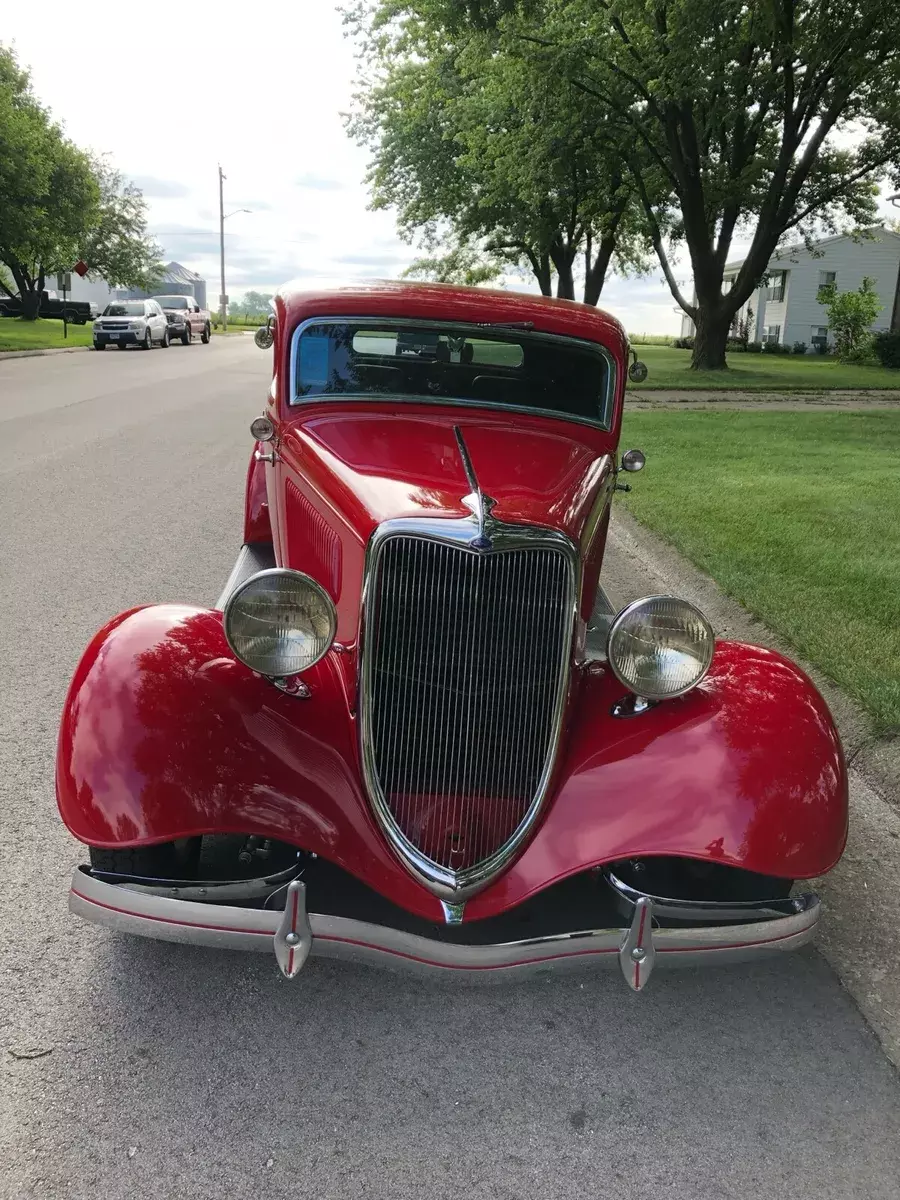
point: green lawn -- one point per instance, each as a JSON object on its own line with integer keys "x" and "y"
{"x": 16, "y": 334}
{"x": 670, "y": 368}
{"x": 797, "y": 516}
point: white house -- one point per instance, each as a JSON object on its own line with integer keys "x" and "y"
{"x": 787, "y": 309}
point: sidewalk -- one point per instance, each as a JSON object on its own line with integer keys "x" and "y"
{"x": 859, "y": 931}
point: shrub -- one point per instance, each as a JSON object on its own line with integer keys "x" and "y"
{"x": 798, "y": 348}
{"x": 821, "y": 348}
{"x": 849, "y": 316}
{"x": 754, "y": 347}
{"x": 887, "y": 348}
{"x": 775, "y": 348}
{"x": 684, "y": 343}
{"x": 735, "y": 346}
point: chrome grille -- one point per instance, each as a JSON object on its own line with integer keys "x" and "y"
{"x": 466, "y": 666}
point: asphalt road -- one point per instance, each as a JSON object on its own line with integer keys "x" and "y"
{"x": 166, "y": 1072}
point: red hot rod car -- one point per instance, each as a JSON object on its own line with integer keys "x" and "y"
{"x": 413, "y": 731}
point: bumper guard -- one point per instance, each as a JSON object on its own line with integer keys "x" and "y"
{"x": 294, "y": 934}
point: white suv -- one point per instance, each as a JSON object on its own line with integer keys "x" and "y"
{"x": 131, "y": 323}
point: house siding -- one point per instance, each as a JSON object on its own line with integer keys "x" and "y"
{"x": 800, "y": 314}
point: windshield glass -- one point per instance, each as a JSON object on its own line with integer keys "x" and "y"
{"x": 125, "y": 308}
{"x": 493, "y": 366}
{"x": 172, "y": 301}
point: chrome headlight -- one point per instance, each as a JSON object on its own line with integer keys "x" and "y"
{"x": 135, "y": 324}
{"x": 660, "y": 647}
{"x": 280, "y": 622}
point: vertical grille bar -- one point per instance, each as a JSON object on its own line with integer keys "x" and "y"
{"x": 465, "y": 659}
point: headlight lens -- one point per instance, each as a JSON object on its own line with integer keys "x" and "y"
{"x": 660, "y": 647}
{"x": 280, "y": 622}
{"x": 135, "y": 324}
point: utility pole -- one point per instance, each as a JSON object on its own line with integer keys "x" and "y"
{"x": 222, "y": 301}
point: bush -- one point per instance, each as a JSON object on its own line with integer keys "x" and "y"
{"x": 775, "y": 348}
{"x": 684, "y": 343}
{"x": 754, "y": 347}
{"x": 887, "y": 348}
{"x": 798, "y": 348}
{"x": 821, "y": 347}
{"x": 735, "y": 346}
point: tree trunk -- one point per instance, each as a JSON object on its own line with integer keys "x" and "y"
{"x": 595, "y": 276}
{"x": 709, "y": 340}
{"x": 31, "y": 303}
{"x": 565, "y": 281}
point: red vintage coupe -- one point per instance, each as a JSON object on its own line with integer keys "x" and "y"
{"x": 413, "y": 731}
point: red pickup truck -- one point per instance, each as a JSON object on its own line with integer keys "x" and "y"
{"x": 186, "y": 318}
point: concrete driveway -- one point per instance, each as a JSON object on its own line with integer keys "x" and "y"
{"x": 131, "y": 1068}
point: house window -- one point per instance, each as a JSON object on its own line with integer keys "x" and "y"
{"x": 826, "y": 278}
{"x": 772, "y": 333}
{"x": 777, "y": 283}
{"x": 819, "y": 335}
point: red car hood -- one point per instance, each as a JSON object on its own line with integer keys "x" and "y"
{"x": 368, "y": 464}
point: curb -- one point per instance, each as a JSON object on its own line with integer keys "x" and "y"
{"x": 858, "y": 935}
{"x": 40, "y": 353}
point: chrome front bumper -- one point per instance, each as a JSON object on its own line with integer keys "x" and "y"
{"x": 294, "y": 935}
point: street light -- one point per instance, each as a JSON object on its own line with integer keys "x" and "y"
{"x": 895, "y": 199}
{"x": 223, "y": 217}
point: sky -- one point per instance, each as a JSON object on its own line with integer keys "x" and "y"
{"x": 259, "y": 89}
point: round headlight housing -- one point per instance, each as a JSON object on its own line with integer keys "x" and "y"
{"x": 280, "y": 622}
{"x": 660, "y": 647}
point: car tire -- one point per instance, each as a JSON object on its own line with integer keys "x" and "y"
{"x": 186, "y": 335}
{"x": 99, "y": 345}
{"x": 147, "y": 343}
{"x": 168, "y": 860}
{"x": 204, "y": 336}
{"x": 122, "y": 346}
{"x": 164, "y": 344}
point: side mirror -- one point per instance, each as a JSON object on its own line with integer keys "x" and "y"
{"x": 637, "y": 372}
{"x": 633, "y": 460}
{"x": 265, "y": 336}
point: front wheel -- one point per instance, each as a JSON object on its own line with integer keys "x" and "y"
{"x": 186, "y": 335}
{"x": 169, "y": 860}
{"x": 99, "y": 345}
{"x": 204, "y": 336}
{"x": 147, "y": 343}
{"x": 165, "y": 338}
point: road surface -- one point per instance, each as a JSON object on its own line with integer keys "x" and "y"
{"x": 168, "y": 1073}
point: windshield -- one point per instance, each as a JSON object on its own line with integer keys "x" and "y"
{"x": 172, "y": 301}
{"x": 493, "y": 366}
{"x": 125, "y": 308}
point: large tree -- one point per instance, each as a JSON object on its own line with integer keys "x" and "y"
{"x": 59, "y": 204}
{"x": 759, "y": 118}
{"x": 471, "y": 148}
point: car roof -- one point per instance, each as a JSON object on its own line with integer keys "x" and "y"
{"x": 448, "y": 302}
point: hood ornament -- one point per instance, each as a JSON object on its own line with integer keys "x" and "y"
{"x": 477, "y": 502}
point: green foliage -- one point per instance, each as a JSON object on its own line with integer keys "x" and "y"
{"x": 850, "y": 315}
{"x": 798, "y": 348}
{"x": 484, "y": 157}
{"x": 58, "y": 204}
{"x": 886, "y": 346}
{"x": 460, "y": 264}
{"x": 742, "y": 119}
{"x": 253, "y": 304}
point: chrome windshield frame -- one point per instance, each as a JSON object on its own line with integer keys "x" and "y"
{"x": 606, "y": 402}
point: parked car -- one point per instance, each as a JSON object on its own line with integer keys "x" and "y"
{"x": 52, "y": 307}
{"x": 126, "y": 323}
{"x": 186, "y": 318}
{"x": 413, "y": 730}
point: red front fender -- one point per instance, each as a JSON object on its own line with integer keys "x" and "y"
{"x": 164, "y": 736}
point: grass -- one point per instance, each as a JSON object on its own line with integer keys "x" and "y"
{"x": 797, "y": 516}
{"x": 16, "y": 334}
{"x": 670, "y": 368}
